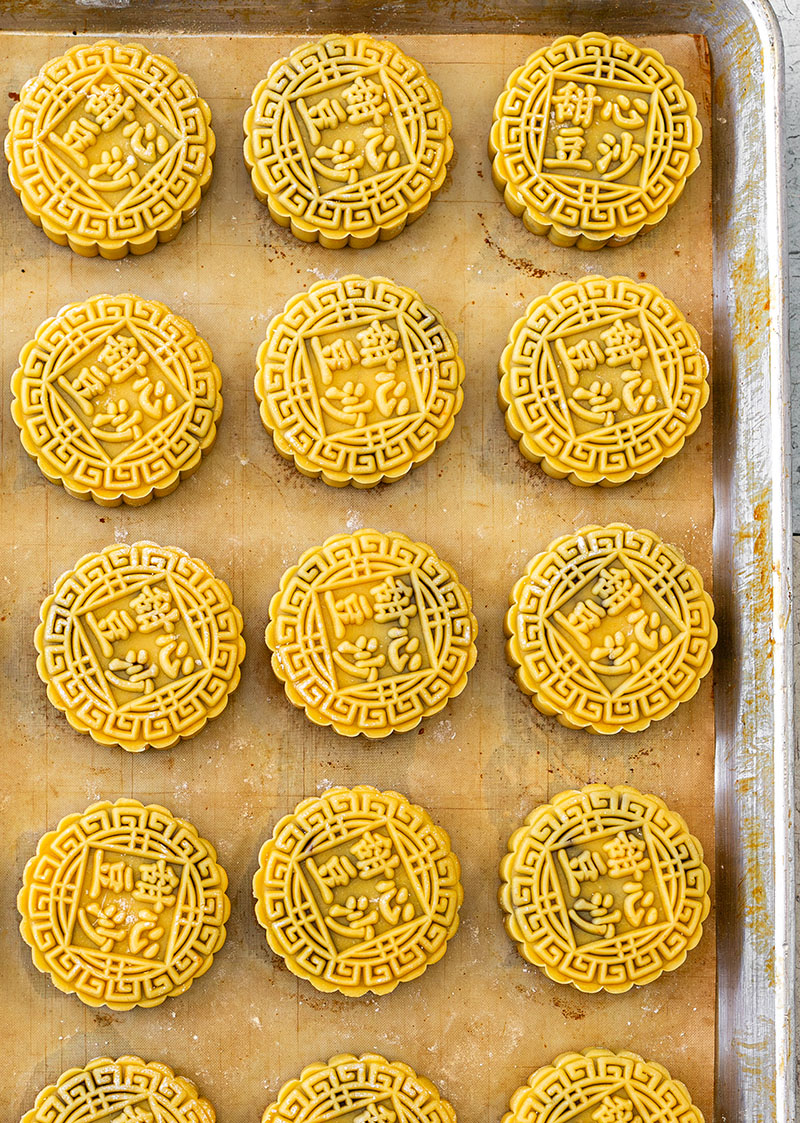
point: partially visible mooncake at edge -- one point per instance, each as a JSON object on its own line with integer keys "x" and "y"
{"x": 125, "y": 1090}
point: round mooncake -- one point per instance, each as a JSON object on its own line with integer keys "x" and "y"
{"x": 366, "y": 1089}
{"x": 610, "y": 629}
{"x": 371, "y": 633}
{"x": 593, "y": 140}
{"x": 358, "y": 891}
{"x": 358, "y": 381}
{"x": 123, "y": 905}
{"x": 117, "y": 398}
{"x": 139, "y": 645}
{"x": 602, "y": 380}
{"x": 109, "y": 148}
{"x": 604, "y": 888}
{"x": 126, "y": 1090}
{"x": 598, "y": 1086}
{"x": 347, "y": 141}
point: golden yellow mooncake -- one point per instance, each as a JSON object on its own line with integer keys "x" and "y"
{"x": 127, "y": 1090}
{"x": 601, "y": 380}
{"x": 358, "y": 891}
{"x": 109, "y": 149}
{"x": 610, "y": 629}
{"x": 598, "y": 1086}
{"x": 604, "y": 888}
{"x": 371, "y": 633}
{"x": 366, "y": 1089}
{"x": 139, "y": 645}
{"x": 123, "y": 905}
{"x": 117, "y": 399}
{"x": 358, "y": 381}
{"x": 347, "y": 141}
{"x": 593, "y": 140}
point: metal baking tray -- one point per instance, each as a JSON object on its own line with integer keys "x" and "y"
{"x": 754, "y": 877}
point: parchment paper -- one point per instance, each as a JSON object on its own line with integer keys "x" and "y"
{"x": 480, "y": 1021}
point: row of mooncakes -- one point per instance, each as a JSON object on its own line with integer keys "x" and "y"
{"x": 347, "y": 141}
{"x": 358, "y": 381}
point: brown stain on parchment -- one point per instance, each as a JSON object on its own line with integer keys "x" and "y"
{"x": 523, "y": 264}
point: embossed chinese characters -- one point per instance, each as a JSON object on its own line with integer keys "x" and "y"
{"x": 139, "y": 645}
{"x": 371, "y": 633}
{"x": 601, "y": 380}
{"x": 117, "y": 398}
{"x": 604, "y": 888}
{"x": 109, "y": 148}
{"x": 358, "y": 891}
{"x": 347, "y": 141}
{"x": 598, "y": 1086}
{"x": 593, "y": 140}
{"x": 126, "y": 1090}
{"x": 358, "y": 381}
{"x": 610, "y": 629}
{"x": 366, "y": 1089}
{"x": 123, "y": 905}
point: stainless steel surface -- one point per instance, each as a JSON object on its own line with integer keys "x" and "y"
{"x": 754, "y": 869}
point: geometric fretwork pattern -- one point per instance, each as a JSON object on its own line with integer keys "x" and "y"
{"x": 604, "y": 888}
{"x": 366, "y": 1089}
{"x": 139, "y": 645}
{"x": 123, "y": 905}
{"x": 602, "y": 379}
{"x": 109, "y": 148}
{"x": 358, "y": 380}
{"x": 610, "y": 629}
{"x": 594, "y": 137}
{"x": 371, "y": 633}
{"x": 598, "y": 1086}
{"x": 117, "y": 398}
{"x": 347, "y": 140}
{"x": 358, "y": 891}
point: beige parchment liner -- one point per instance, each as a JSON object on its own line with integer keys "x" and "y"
{"x": 482, "y": 1021}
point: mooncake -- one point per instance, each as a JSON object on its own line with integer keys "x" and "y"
{"x": 371, "y": 633}
{"x": 593, "y": 140}
{"x": 123, "y": 905}
{"x": 109, "y": 149}
{"x": 604, "y": 888}
{"x": 347, "y": 141}
{"x": 598, "y": 1086}
{"x": 358, "y": 381}
{"x": 139, "y": 645}
{"x": 601, "y": 380}
{"x": 117, "y": 399}
{"x": 366, "y": 1089}
{"x": 358, "y": 891}
{"x": 610, "y": 629}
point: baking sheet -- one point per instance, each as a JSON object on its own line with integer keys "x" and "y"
{"x": 481, "y": 1021}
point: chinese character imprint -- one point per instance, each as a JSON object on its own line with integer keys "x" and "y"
{"x": 613, "y": 1109}
{"x": 366, "y": 879}
{"x": 376, "y": 1113}
{"x": 153, "y": 609}
{"x": 589, "y": 886}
